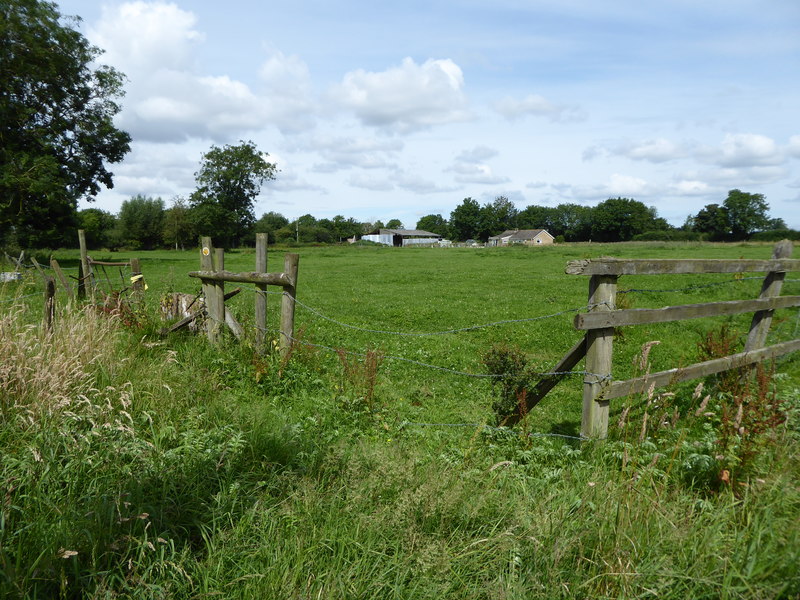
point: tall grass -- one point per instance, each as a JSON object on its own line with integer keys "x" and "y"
{"x": 135, "y": 466}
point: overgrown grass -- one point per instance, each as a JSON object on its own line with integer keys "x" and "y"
{"x": 136, "y": 466}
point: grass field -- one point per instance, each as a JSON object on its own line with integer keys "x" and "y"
{"x": 367, "y": 466}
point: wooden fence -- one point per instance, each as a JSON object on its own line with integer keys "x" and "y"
{"x": 603, "y": 316}
{"x": 87, "y": 275}
{"x": 213, "y": 276}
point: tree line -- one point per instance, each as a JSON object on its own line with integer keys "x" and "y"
{"x": 146, "y": 223}
{"x": 741, "y": 216}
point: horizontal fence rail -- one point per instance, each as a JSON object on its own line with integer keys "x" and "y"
{"x": 666, "y": 266}
{"x": 600, "y": 322}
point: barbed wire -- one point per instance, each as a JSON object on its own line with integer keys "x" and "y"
{"x": 16, "y": 298}
{"x": 598, "y": 376}
{"x": 434, "y": 333}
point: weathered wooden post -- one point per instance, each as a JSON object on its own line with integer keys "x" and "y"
{"x": 261, "y": 293}
{"x": 49, "y": 303}
{"x": 599, "y": 346}
{"x": 87, "y": 277}
{"x": 137, "y": 279}
{"x": 290, "y": 265}
{"x": 62, "y": 278}
{"x": 215, "y": 301}
{"x": 771, "y": 288}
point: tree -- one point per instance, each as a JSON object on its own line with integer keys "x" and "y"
{"x": 269, "y": 223}
{"x": 56, "y": 122}
{"x": 465, "y": 219}
{"x": 394, "y": 224}
{"x": 141, "y": 221}
{"x": 573, "y": 221}
{"x": 495, "y": 217}
{"x": 178, "y": 229}
{"x": 711, "y": 220}
{"x": 747, "y": 213}
{"x": 619, "y": 219}
{"x": 98, "y": 225}
{"x": 229, "y": 180}
{"x": 434, "y": 223}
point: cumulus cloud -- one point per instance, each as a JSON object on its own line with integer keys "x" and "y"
{"x": 743, "y": 150}
{"x": 537, "y": 106}
{"x": 169, "y": 99}
{"x": 793, "y": 147}
{"x": 405, "y": 98}
{"x": 617, "y": 185}
{"x": 346, "y": 152}
{"x": 477, "y": 154}
{"x": 658, "y": 150}
{"x": 470, "y": 167}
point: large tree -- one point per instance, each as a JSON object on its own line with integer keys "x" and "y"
{"x": 141, "y": 222}
{"x": 496, "y": 217}
{"x": 619, "y": 219}
{"x": 229, "y": 180}
{"x": 56, "y": 122}
{"x": 465, "y": 220}
{"x": 435, "y": 224}
{"x": 747, "y": 213}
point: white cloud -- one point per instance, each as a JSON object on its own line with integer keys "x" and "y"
{"x": 476, "y": 173}
{"x": 168, "y": 99}
{"x": 537, "y": 106}
{"x": 794, "y": 146}
{"x": 376, "y": 184}
{"x": 743, "y": 150}
{"x": 346, "y": 152}
{"x": 406, "y": 98}
{"x": 477, "y": 154}
{"x": 657, "y": 150}
{"x": 138, "y": 36}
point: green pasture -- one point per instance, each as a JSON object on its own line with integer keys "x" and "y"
{"x": 142, "y": 466}
{"x": 347, "y": 290}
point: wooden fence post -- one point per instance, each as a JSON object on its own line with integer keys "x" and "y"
{"x": 62, "y": 278}
{"x": 49, "y": 303}
{"x": 773, "y": 282}
{"x": 87, "y": 277}
{"x": 261, "y": 293}
{"x": 215, "y": 303}
{"x": 290, "y": 264}
{"x": 599, "y": 346}
{"x": 137, "y": 281}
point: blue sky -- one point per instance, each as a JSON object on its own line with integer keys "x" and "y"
{"x": 397, "y": 110}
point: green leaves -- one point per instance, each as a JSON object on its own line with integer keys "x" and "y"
{"x": 56, "y": 122}
{"x": 229, "y": 180}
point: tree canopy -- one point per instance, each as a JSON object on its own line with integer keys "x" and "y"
{"x": 56, "y": 122}
{"x": 229, "y": 180}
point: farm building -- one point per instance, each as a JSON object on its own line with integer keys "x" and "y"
{"x": 402, "y": 237}
{"x": 529, "y": 237}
